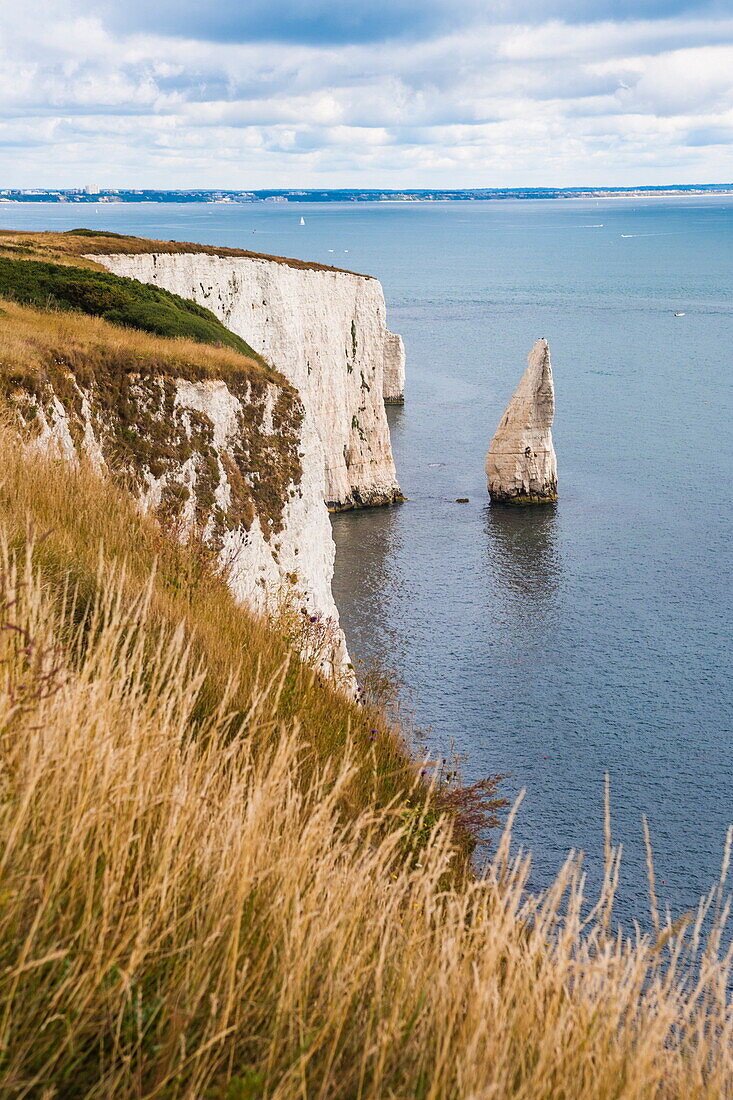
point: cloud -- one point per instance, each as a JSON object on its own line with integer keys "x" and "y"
{"x": 366, "y": 94}
{"x": 711, "y": 135}
{"x": 682, "y": 82}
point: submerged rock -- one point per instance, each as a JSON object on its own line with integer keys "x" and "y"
{"x": 521, "y": 467}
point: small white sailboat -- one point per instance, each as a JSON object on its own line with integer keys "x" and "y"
{"x": 302, "y": 221}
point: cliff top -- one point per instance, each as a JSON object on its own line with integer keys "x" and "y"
{"x": 129, "y": 379}
{"x": 79, "y": 245}
{"x": 122, "y": 301}
{"x": 39, "y": 344}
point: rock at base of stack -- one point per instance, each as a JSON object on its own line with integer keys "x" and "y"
{"x": 521, "y": 467}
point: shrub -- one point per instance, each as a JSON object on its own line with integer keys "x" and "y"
{"x": 116, "y": 299}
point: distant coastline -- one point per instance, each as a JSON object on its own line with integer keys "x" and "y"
{"x": 121, "y": 195}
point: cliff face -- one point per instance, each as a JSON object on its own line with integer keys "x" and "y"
{"x": 246, "y": 456}
{"x": 521, "y": 467}
{"x": 325, "y": 331}
{"x": 232, "y": 459}
{"x": 276, "y": 556}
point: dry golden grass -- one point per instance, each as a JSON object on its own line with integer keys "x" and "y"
{"x": 74, "y": 513}
{"x": 213, "y": 883}
{"x": 37, "y": 339}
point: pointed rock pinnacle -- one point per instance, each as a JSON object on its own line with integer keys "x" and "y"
{"x": 521, "y": 467}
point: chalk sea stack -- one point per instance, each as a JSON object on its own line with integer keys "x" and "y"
{"x": 521, "y": 467}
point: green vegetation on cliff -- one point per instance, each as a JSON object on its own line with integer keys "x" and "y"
{"x": 119, "y": 300}
{"x": 123, "y": 385}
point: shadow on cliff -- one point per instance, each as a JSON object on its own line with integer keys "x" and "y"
{"x": 524, "y": 561}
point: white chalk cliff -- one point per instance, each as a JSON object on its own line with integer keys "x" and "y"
{"x": 237, "y": 461}
{"x": 521, "y": 467}
{"x": 325, "y": 330}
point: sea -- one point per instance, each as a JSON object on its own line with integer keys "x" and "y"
{"x": 560, "y": 644}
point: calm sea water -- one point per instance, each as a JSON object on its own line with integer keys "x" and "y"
{"x": 560, "y": 643}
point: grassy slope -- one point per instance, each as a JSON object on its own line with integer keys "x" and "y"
{"x": 76, "y": 516}
{"x": 32, "y": 336}
{"x": 118, "y": 300}
{"x": 126, "y": 375}
{"x": 217, "y": 881}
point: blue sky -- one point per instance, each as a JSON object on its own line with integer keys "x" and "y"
{"x": 365, "y": 93}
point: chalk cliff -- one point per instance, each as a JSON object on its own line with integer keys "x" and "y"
{"x": 325, "y": 330}
{"x": 233, "y": 459}
{"x": 521, "y": 467}
{"x": 246, "y": 453}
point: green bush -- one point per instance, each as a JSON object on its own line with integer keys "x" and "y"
{"x": 119, "y": 300}
{"x": 95, "y": 233}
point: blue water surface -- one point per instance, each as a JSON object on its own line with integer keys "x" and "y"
{"x": 560, "y": 643}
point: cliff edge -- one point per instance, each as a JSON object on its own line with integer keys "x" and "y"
{"x": 239, "y": 443}
{"x": 324, "y": 329}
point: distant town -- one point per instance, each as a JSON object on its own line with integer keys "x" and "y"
{"x": 111, "y": 195}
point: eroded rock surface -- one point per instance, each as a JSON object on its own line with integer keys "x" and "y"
{"x": 326, "y": 331}
{"x": 235, "y": 461}
{"x": 521, "y": 467}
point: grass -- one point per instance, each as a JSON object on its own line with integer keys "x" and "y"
{"x": 217, "y": 882}
{"x": 34, "y": 336}
{"x": 122, "y": 382}
{"x": 77, "y": 516}
{"x": 116, "y": 299}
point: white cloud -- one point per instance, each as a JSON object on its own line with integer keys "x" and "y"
{"x": 487, "y": 105}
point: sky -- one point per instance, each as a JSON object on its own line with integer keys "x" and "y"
{"x": 365, "y": 93}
